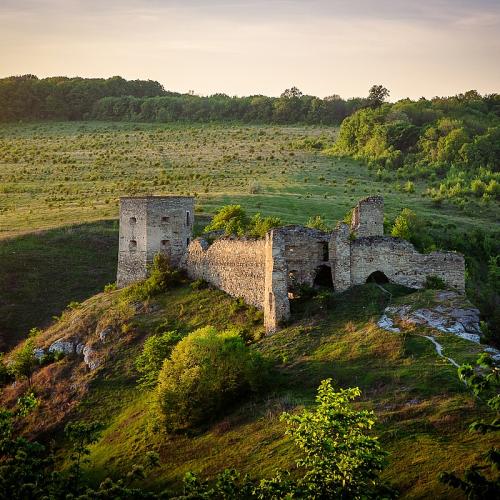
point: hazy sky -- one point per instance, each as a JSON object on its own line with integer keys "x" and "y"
{"x": 242, "y": 47}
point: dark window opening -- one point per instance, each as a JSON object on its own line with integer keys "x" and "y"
{"x": 377, "y": 277}
{"x": 187, "y": 242}
{"x": 325, "y": 251}
{"x": 165, "y": 219}
{"x": 188, "y": 219}
{"x": 323, "y": 277}
{"x": 132, "y": 246}
{"x": 133, "y": 220}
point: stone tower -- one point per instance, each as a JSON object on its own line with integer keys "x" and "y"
{"x": 151, "y": 225}
{"x": 368, "y": 217}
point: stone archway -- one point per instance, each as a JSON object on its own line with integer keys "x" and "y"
{"x": 377, "y": 277}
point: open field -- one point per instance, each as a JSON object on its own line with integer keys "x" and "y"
{"x": 55, "y": 175}
{"x": 61, "y": 173}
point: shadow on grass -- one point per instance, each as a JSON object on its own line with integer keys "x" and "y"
{"x": 42, "y": 272}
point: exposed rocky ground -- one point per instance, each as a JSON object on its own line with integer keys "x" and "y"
{"x": 445, "y": 310}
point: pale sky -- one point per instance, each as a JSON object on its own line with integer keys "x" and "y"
{"x": 244, "y": 47}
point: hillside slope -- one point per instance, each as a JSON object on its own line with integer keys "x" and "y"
{"x": 423, "y": 410}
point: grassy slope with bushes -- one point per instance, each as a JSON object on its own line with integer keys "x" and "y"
{"x": 423, "y": 410}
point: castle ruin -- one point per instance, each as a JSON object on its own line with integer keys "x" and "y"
{"x": 266, "y": 272}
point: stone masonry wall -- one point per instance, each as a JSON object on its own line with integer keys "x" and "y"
{"x": 276, "y": 302}
{"x": 402, "y": 264}
{"x": 305, "y": 250}
{"x": 368, "y": 217}
{"x": 340, "y": 257}
{"x": 132, "y": 245}
{"x": 234, "y": 266}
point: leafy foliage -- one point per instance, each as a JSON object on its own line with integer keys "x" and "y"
{"x": 161, "y": 277}
{"x": 317, "y": 222}
{"x": 233, "y": 221}
{"x": 484, "y": 382}
{"x": 339, "y": 459}
{"x": 23, "y": 361}
{"x": 206, "y": 372}
{"x": 27, "y": 97}
{"x": 155, "y": 350}
{"x": 408, "y": 226}
{"x": 452, "y": 142}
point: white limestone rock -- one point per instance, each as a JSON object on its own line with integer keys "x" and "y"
{"x": 91, "y": 357}
{"x": 61, "y": 345}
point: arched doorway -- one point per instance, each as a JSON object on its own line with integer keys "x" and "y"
{"x": 323, "y": 277}
{"x": 377, "y": 277}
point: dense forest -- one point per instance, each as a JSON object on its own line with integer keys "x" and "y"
{"x": 454, "y": 140}
{"x": 60, "y": 98}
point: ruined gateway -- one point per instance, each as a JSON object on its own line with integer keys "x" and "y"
{"x": 265, "y": 272}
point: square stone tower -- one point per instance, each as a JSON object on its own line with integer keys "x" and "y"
{"x": 151, "y": 225}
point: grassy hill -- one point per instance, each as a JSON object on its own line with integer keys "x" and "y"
{"x": 423, "y": 410}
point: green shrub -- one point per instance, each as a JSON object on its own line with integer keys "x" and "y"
{"x": 161, "y": 277}
{"x": 259, "y": 226}
{"x": 435, "y": 283}
{"x": 155, "y": 350}
{"x": 198, "y": 284}
{"x": 109, "y": 287}
{"x": 206, "y": 372}
{"x": 24, "y": 362}
{"x": 232, "y": 219}
{"x": 317, "y": 222}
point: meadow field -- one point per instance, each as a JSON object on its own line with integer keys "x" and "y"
{"x": 61, "y": 181}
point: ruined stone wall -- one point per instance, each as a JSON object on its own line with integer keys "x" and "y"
{"x": 340, "y": 258}
{"x": 368, "y": 217}
{"x": 402, "y": 264}
{"x": 235, "y": 266}
{"x": 305, "y": 250}
{"x": 276, "y": 302}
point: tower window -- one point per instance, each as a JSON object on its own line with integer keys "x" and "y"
{"x": 165, "y": 218}
{"x": 325, "y": 251}
{"x": 187, "y": 242}
{"x": 132, "y": 220}
{"x": 132, "y": 246}
{"x": 188, "y": 219}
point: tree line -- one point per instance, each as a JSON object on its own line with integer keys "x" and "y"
{"x": 27, "y": 97}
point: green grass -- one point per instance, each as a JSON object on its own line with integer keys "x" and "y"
{"x": 43, "y": 271}
{"x": 423, "y": 410}
{"x": 52, "y": 174}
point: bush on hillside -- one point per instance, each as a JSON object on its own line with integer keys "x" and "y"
{"x": 161, "y": 277}
{"x": 408, "y": 226}
{"x": 231, "y": 219}
{"x": 207, "y": 371}
{"x": 24, "y": 362}
{"x": 156, "y": 349}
